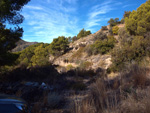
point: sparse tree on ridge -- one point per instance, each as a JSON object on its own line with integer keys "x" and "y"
{"x": 83, "y": 33}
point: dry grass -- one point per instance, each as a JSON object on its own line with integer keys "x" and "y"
{"x": 54, "y": 100}
{"x": 98, "y": 101}
{"x": 128, "y": 93}
{"x": 139, "y": 103}
{"x": 85, "y": 65}
{"x": 36, "y": 108}
{"x": 137, "y": 76}
{"x": 79, "y": 53}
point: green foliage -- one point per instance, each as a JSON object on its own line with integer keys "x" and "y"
{"x": 35, "y": 55}
{"x": 8, "y": 38}
{"x": 138, "y": 22}
{"x": 129, "y": 52}
{"x": 69, "y": 67}
{"x": 59, "y": 46}
{"x": 103, "y": 46}
{"x": 126, "y": 14}
{"x": 113, "y": 22}
{"x": 9, "y": 11}
{"x": 41, "y": 56}
{"x": 83, "y": 33}
{"x": 122, "y": 21}
{"x": 115, "y": 30}
{"x": 9, "y": 14}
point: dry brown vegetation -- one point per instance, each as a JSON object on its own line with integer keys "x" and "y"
{"x": 128, "y": 93}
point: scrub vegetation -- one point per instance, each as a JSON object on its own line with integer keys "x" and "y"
{"x": 74, "y": 84}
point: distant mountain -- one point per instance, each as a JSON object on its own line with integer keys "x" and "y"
{"x": 21, "y": 45}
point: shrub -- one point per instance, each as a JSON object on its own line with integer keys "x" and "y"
{"x": 69, "y": 67}
{"x": 83, "y": 33}
{"x": 85, "y": 65}
{"x": 35, "y": 55}
{"x": 103, "y": 46}
{"x": 138, "y": 22}
{"x": 128, "y": 53}
{"x": 124, "y": 92}
{"x": 59, "y": 46}
{"x": 122, "y": 21}
{"x": 124, "y": 37}
{"x": 113, "y": 22}
{"x": 104, "y": 28}
{"x": 88, "y": 50}
{"x": 115, "y": 30}
{"x": 100, "y": 36}
{"x": 110, "y": 31}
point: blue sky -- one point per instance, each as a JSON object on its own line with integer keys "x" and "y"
{"x": 48, "y": 19}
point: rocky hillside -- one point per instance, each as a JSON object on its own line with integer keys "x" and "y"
{"x": 77, "y": 57}
{"x": 21, "y": 44}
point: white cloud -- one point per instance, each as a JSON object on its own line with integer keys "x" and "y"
{"x": 97, "y": 14}
{"x": 128, "y": 5}
{"x": 33, "y": 7}
{"x": 46, "y": 24}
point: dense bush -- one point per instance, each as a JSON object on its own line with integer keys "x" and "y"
{"x": 10, "y": 16}
{"x": 100, "y": 36}
{"x": 41, "y": 56}
{"x": 35, "y": 55}
{"x": 8, "y": 38}
{"x": 83, "y": 33}
{"x": 103, "y": 46}
{"x": 59, "y": 46}
{"x": 69, "y": 67}
{"x": 129, "y": 52}
{"x": 113, "y": 22}
{"x": 115, "y": 30}
{"x": 138, "y": 22}
{"x": 126, "y": 15}
{"x": 124, "y": 37}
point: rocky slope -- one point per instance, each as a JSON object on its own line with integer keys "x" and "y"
{"x": 76, "y": 56}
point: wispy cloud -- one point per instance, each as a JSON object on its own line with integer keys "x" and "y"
{"x": 48, "y": 19}
{"x": 46, "y": 24}
{"x": 98, "y": 12}
{"x": 33, "y": 7}
{"x": 128, "y": 5}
